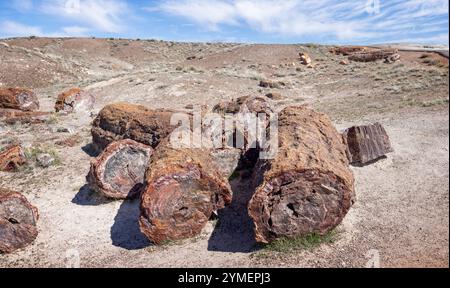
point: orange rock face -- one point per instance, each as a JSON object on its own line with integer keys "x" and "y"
{"x": 183, "y": 188}
{"x": 73, "y": 100}
{"x": 12, "y": 158}
{"x": 119, "y": 171}
{"x": 18, "y": 98}
{"x": 308, "y": 186}
{"x": 17, "y": 221}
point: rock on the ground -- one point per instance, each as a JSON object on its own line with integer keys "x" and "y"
{"x": 11, "y": 158}
{"x": 183, "y": 188}
{"x": 18, "y": 98}
{"x": 118, "y": 172}
{"x": 305, "y": 59}
{"x": 129, "y": 121}
{"x": 366, "y": 143}
{"x": 74, "y": 100}
{"x": 45, "y": 160}
{"x": 17, "y": 221}
{"x": 308, "y": 187}
{"x": 13, "y": 116}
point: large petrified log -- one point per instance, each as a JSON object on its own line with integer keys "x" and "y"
{"x": 366, "y": 143}
{"x": 129, "y": 121}
{"x": 18, "y": 98}
{"x": 347, "y": 50}
{"x": 17, "y": 221}
{"x": 11, "y": 158}
{"x": 183, "y": 188}
{"x": 74, "y": 99}
{"x": 118, "y": 172}
{"x": 389, "y": 55}
{"x": 308, "y": 186}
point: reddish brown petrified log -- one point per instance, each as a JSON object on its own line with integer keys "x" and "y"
{"x": 183, "y": 188}
{"x": 74, "y": 99}
{"x": 17, "y": 221}
{"x": 347, "y": 50}
{"x": 18, "y": 98}
{"x": 11, "y": 158}
{"x": 12, "y": 116}
{"x": 308, "y": 186}
{"x": 366, "y": 143}
{"x": 374, "y": 55}
{"x": 128, "y": 121}
{"x": 119, "y": 171}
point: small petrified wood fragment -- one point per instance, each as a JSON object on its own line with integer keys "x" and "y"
{"x": 183, "y": 188}
{"x": 74, "y": 99}
{"x": 17, "y": 221}
{"x": 12, "y": 116}
{"x": 366, "y": 143}
{"x": 18, "y": 98}
{"x": 308, "y": 186}
{"x": 11, "y": 158}
{"x": 118, "y": 172}
{"x": 129, "y": 121}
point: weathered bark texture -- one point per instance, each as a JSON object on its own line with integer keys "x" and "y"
{"x": 17, "y": 221}
{"x": 73, "y": 100}
{"x": 12, "y": 116}
{"x": 11, "y": 158}
{"x": 374, "y": 55}
{"x": 308, "y": 186}
{"x": 183, "y": 188}
{"x": 128, "y": 121}
{"x": 18, "y": 98}
{"x": 118, "y": 172}
{"x": 366, "y": 143}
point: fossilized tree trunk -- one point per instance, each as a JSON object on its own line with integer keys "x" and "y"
{"x": 366, "y": 143}
{"x": 308, "y": 186}
{"x": 183, "y": 188}
{"x": 12, "y": 116}
{"x": 12, "y": 158}
{"x": 374, "y": 55}
{"x": 17, "y": 221}
{"x": 128, "y": 121}
{"x": 18, "y": 98}
{"x": 74, "y": 99}
{"x": 118, "y": 172}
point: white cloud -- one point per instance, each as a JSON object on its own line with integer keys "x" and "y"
{"x": 99, "y": 15}
{"x": 22, "y": 5}
{"x": 11, "y": 28}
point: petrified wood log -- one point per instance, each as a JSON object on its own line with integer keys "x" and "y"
{"x": 128, "y": 121}
{"x": 12, "y": 116}
{"x": 374, "y": 55}
{"x": 74, "y": 99}
{"x": 347, "y": 50}
{"x": 308, "y": 186}
{"x": 183, "y": 188}
{"x": 118, "y": 172}
{"x": 18, "y": 98}
{"x": 366, "y": 143}
{"x": 11, "y": 158}
{"x": 17, "y": 221}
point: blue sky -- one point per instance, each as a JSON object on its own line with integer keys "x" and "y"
{"x": 253, "y": 21}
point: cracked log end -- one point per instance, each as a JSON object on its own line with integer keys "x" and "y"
{"x": 73, "y": 100}
{"x": 18, "y": 98}
{"x": 12, "y": 158}
{"x": 182, "y": 191}
{"x": 119, "y": 171}
{"x": 308, "y": 186}
{"x": 17, "y": 221}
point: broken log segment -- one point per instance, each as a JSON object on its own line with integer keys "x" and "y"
{"x": 18, "y": 98}
{"x": 183, "y": 188}
{"x": 118, "y": 172}
{"x": 11, "y": 158}
{"x": 17, "y": 221}
{"x": 366, "y": 143}
{"x": 374, "y": 55}
{"x": 74, "y": 99}
{"x": 308, "y": 186}
{"x": 12, "y": 116}
{"x": 129, "y": 121}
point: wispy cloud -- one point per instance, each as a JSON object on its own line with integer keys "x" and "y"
{"x": 11, "y": 28}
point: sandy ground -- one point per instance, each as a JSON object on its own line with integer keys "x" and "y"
{"x": 401, "y": 218}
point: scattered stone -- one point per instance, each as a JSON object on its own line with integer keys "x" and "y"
{"x": 183, "y": 188}
{"x": 343, "y": 62}
{"x": 189, "y": 106}
{"x": 275, "y": 96}
{"x": 191, "y": 58}
{"x": 305, "y": 59}
{"x": 270, "y": 84}
{"x": 11, "y": 158}
{"x": 17, "y": 221}
{"x": 45, "y": 160}
{"x": 19, "y": 99}
{"x": 71, "y": 141}
{"x": 118, "y": 172}
{"x": 366, "y": 143}
{"x": 73, "y": 100}
{"x": 392, "y": 58}
{"x": 308, "y": 187}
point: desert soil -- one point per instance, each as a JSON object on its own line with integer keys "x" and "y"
{"x": 400, "y": 219}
